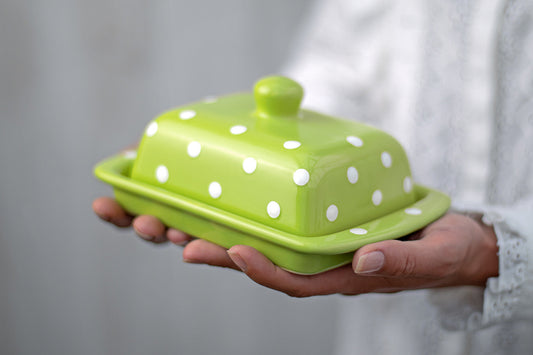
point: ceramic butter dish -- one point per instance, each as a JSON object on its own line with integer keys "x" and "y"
{"x": 303, "y": 188}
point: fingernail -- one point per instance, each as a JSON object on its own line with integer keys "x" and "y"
{"x": 192, "y": 261}
{"x": 238, "y": 260}
{"x": 145, "y": 236}
{"x": 370, "y": 262}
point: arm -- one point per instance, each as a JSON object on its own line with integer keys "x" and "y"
{"x": 510, "y": 208}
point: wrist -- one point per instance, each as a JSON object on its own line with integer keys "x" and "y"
{"x": 487, "y": 260}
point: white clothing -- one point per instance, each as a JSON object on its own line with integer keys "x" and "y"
{"x": 453, "y": 82}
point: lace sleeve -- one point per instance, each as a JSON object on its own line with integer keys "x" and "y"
{"x": 506, "y": 297}
{"x": 510, "y": 295}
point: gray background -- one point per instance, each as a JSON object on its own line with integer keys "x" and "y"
{"x": 78, "y": 81}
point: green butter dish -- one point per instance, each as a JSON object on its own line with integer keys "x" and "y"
{"x": 303, "y": 188}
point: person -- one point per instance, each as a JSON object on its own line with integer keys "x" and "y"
{"x": 453, "y": 82}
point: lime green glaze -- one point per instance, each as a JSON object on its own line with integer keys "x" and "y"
{"x": 258, "y": 170}
{"x": 277, "y": 97}
{"x": 325, "y": 155}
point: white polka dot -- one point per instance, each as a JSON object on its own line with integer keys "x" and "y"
{"x": 194, "y": 149}
{"x": 291, "y": 144}
{"x": 413, "y": 211}
{"x": 151, "y": 129}
{"x": 249, "y": 165}
{"x": 355, "y": 141}
{"x": 238, "y": 129}
{"x": 130, "y": 154}
{"x": 358, "y": 231}
{"x": 407, "y": 184}
{"x": 210, "y": 99}
{"x": 161, "y": 173}
{"x": 386, "y": 159}
{"x": 215, "y": 190}
{"x": 273, "y": 209}
{"x": 332, "y": 213}
{"x": 301, "y": 177}
{"x": 377, "y": 196}
{"x": 187, "y": 114}
{"x": 352, "y": 174}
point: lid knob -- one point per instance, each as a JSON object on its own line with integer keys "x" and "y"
{"x": 277, "y": 96}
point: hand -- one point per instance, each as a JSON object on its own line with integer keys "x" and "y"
{"x": 454, "y": 250}
{"x": 148, "y": 228}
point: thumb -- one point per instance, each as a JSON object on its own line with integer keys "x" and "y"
{"x": 420, "y": 258}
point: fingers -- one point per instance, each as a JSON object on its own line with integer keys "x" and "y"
{"x": 200, "y": 251}
{"x": 340, "y": 280}
{"x": 261, "y": 270}
{"x": 178, "y": 237}
{"x": 454, "y": 250}
{"x": 251, "y": 262}
{"x": 110, "y": 211}
{"x": 264, "y": 272}
{"x": 432, "y": 258}
{"x": 150, "y": 229}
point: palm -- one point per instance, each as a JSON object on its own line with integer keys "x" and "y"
{"x": 454, "y": 250}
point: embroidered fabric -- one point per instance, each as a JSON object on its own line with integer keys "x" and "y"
{"x": 452, "y": 81}
{"x": 507, "y": 297}
{"x": 510, "y": 178}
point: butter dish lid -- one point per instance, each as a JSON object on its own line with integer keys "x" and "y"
{"x": 261, "y": 156}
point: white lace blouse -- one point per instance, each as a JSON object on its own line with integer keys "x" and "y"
{"x": 453, "y": 81}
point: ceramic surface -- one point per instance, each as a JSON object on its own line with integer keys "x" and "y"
{"x": 304, "y": 188}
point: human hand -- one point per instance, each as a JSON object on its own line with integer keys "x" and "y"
{"x": 454, "y": 250}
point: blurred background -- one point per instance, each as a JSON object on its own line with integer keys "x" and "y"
{"x": 79, "y": 80}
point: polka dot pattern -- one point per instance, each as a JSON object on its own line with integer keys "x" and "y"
{"x": 249, "y": 165}
{"x": 358, "y": 231}
{"x": 151, "y": 129}
{"x": 301, "y": 177}
{"x": 413, "y": 211}
{"x": 187, "y": 114}
{"x": 291, "y": 144}
{"x": 273, "y": 209}
{"x": 161, "y": 174}
{"x": 332, "y": 213}
{"x": 215, "y": 190}
{"x": 352, "y": 175}
{"x": 194, "y": 149}
{"x": 377, "y": 197}
{"x": 355, "y": 141}
{"x": 236, "y": 130}
{"x": 386, "y": 159}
